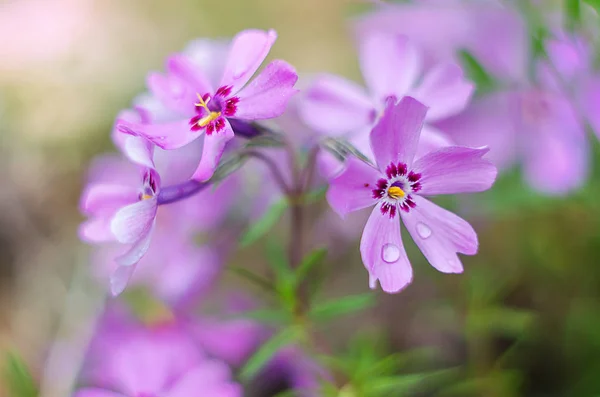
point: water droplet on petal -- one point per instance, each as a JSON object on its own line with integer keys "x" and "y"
{"x": 390, "y": 253}
{"x": 423, "y": 230}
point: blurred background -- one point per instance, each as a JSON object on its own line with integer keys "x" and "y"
{"x": 523, "y": 320}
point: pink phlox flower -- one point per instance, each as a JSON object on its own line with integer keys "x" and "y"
{"x": 538, "y": 123}
{"x": 392, "y": 67}
{"x": 121, "y": 208}
{"x": 200, "y": 108}
{"x": 132, "y": 361}
{"x": 397, "y": 186}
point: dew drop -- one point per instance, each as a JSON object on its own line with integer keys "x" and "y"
{"x": 390, "y": 253}
{"x": 423, "y": 230}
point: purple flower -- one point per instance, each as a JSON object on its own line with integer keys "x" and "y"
{"x": 538, "y": 123}
{"x": 198, "y": 107}
{"x": 132, "y": 361}
{"x": 392, "y": 67}
{"x": 396, "y": 187}
{"x": 122, "y": 209}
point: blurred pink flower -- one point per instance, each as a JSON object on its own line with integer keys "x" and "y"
{"x": 132, "y": 360}
{"x": 395, "y": 188}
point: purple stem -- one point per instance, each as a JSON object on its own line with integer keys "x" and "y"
{"x": 244, "y": 129}
{"x": 171, "y": 194}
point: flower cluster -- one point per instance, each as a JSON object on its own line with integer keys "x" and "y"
{"x": 210, "y": 149}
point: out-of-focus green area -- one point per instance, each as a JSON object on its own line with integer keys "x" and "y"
{"x": 524, "y": 319}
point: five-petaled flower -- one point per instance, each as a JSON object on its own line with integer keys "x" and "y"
{"x": 198, "y": 107}
{"x": 396, "y": 188}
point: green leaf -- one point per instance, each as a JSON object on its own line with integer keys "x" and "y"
{"x": 267, "y": 351}
{"x": 227, "y": 167}
{"x": 266, "y": 316}
{"x": 595, "y": 4}
{"x": 264, "y": 224}
{"x": 573, "y": 13}
{"x": 483, "y": 80}
{"x": 19, "y": 380}
{"x": 252, "y": 277}
{"x": 309, "y": 262}
{"x": 341, "y": 149}
{"x": 348, "y": 304}
{"x": 400, "y": 385}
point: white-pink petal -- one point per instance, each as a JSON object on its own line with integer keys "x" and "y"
{"x": 383, "y": 253}
{"x": 333, "y": 105}
{"x": 396, "y": 136}
{"x": 390, "y": 64}
{"x": 214, "y": 146}
{"x": 132, "y": 222}
{"x": 440, "y": 234}
{"x": 247, "y": 52}
{"x": 168, "y": 136}
{"x": 353, "y": 188}
{"x": 455, "y": 169}
{"x": 268, "y": 94}
{"x": 445, "y": 91}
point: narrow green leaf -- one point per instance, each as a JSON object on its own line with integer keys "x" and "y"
{"x": 348, "y": 304}
{"x": 264, "y": 224}
{"x": 227, "y": 167}
{"x": 484, "y": 82}
{"x": 266, "y": 316}
{"x": 266, "y": 352}
{"x": 403, "y": 384}
{"x": 18, "y": 379}
{"x": 309, "y": 262}
{"x": 315, "y": 195}
{"x": 252, "y": 277}
{"x": 573, "y": 13}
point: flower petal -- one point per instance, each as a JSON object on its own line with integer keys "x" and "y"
{"x": 431, "y": 140}
{"x": 173, "y": 92}
{"x": 383, "y": 253}
{"x": 440, "y": 234}
{"x": 268, "y": 94}
{"x": 183, "y": 68}
{"x": 390, "y": 64}
{"x": 445, "y": 90}
{"x": 455, "y": 169}
{"x": 214, "y": 145}
{"x": 128, "y": 262}
{"x": 488, "y": 121}
{"x": 209, "y": 55}
{"x": 139, "y": 150}
{"x": 172, "y": 135}
{"x": 210, "y": 376}
{"x": 96, "y": 230}
{"x": 353, "y": 189}
{"x": 396, "y": 135}
{"x": 248, "y": 50}
{"x": 97, "y": 393}
{"x": 333, "y": 105}
{"x": 132, "y": 222}
{"x": 557, "y": 150}
{"x": 106, "y": 197}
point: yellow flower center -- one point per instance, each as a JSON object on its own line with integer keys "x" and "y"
{"x": 212, "y": 116}
{"x": 146, "y": 196}
{"x": 395, "y": 192}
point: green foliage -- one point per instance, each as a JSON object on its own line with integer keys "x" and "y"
{"x": 264, "y": 224}
{"x": 484, "y": 82}
{"x": 595, "y": 4}
{"x": 371, "y": 372}
{"x": 18, "y": 379}
{"x": 264, "y": 354}
{"x": 573, "y": 13}
{"x": 338, "y": 307}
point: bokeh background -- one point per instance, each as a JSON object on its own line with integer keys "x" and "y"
{"x": 524, "y": 319}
